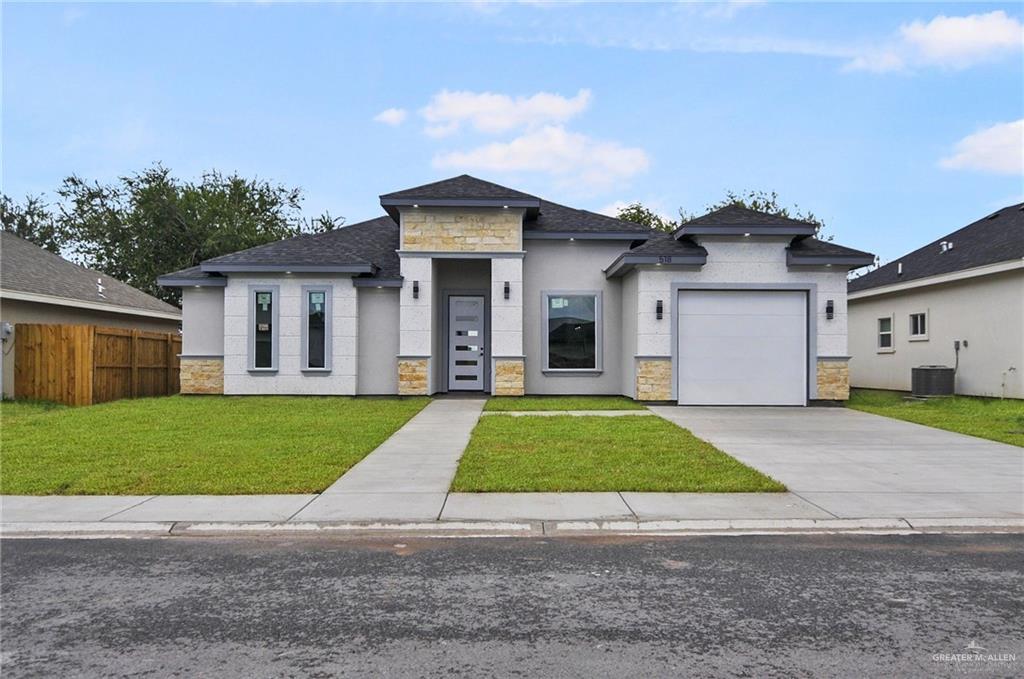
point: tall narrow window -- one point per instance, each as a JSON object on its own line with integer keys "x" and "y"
{"x": 573, "y": 339}
{"x": 885, "y": 334}
{"x": 919, "y": 326}
{"x": 316, "y": 328}
{"x": 263, "y": 329}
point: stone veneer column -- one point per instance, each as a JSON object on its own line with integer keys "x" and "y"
{"x": 202, "y": 375}
{"x": 654, "y": 379}
{"x": 833, "y": 379}
{"x": 415, "y": 341}
{"x": 508, "y": 374}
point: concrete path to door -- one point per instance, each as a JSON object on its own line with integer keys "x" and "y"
{"x": 857, "y": 465}
{"x": 407, "y": 477}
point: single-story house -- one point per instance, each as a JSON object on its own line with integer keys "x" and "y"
{"x": 465, "y": 285}
{"x": 958, "y": 301}
{"x": 37, "y": 286}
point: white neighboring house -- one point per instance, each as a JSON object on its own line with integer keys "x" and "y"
{"x": 964, "y": 290}
{"x": 465, "y": 285}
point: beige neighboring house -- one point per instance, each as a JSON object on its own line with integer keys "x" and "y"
{"x": 37, "y": 286}
{"x": 958, "y": 301}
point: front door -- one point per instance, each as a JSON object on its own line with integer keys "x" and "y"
{"x": 465, "y": 343}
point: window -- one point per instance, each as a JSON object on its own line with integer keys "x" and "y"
{"x": 572, "y": 326}
{"x": 885, "y": 334}
{"x": 918, "y": 326}
{"x": 316, "y": 328}
{"x": 263, "y": 314}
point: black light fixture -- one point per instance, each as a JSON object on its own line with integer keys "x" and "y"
{"x": 415, "y": 289}
{"x": 508, "y": 289}
{"x": 659, "y": 309}
{"x": 830, "y": 310}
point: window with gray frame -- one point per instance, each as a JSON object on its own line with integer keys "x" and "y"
{"x": 572, "y": 323}
{"x": 316, "y": 328}
{"x": 264, "y": 330}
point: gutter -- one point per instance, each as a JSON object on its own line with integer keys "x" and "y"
{"x": 85, "y": 304}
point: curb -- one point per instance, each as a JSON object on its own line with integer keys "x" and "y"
{"x": 467, "y": 529}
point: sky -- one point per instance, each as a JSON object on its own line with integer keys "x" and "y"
{"x": 894, "y": 123}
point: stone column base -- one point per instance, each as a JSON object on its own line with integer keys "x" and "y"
{"x": 202, "y": 375}
{"x": 509, "y": 377}
{"x": 414, "y": 377}
{"x": 833, "y": 379}
{"x": 654, "y": 379}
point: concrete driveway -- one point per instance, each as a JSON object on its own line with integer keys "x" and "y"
{"x": 858, "y": 465}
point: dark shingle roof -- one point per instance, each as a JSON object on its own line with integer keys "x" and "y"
{"x": 737, "y": 215}
{"x": 663, "y": 244}
{"x": 999, "y": 237}
{"x": 554, "y": 218}
{"x": 463, "y": 187}
{"x": 26, "y": 267}
{"x": 812, "y": 247}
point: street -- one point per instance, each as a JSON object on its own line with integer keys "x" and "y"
{"x": 814, "y": 605}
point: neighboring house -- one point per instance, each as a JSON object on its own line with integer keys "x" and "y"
{"x": 37, "y": 286}
{"x": 465, "y": 285}
{"x": 964, "y": 289}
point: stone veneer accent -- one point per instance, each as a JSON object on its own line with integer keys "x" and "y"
{"x": 654, "y": 379}
{"x": 509, "y": 377}
{"x": 202, "y": 376}
{"x": 833, "y": 380}
{"x": 433, "y": 230}
{"x": 413, "y": 377}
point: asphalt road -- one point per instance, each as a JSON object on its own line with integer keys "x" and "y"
{"x": 710, "y": 606}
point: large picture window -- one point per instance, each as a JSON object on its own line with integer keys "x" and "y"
{"x": 573, "y": 331}
{"x": 316, "y": 328}
{"x": 263, "y": 314}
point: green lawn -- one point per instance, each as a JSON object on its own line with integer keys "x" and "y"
{"x": 987, "y": 418}
{"x": 192, "y": 445}
{"x": 506, "y": 403}
{"x": 565, "y": 453}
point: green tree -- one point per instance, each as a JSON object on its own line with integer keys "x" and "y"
{"x": 33, "y": 221}
{"x": 639, "y": 214}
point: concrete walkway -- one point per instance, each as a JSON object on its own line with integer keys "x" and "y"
{"x": 857, "y": 465}
{"x": 407, "y": 477}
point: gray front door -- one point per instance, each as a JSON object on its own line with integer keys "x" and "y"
{"x": 465, "y": 343}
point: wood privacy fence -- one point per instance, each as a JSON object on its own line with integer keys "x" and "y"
{"x": 86, "y": 364}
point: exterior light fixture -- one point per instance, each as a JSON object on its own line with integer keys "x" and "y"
{"x": 746, "y": 235}
{"x": 415, "y": 205}
{"x": 830, "y": 310}
{"x": 287, "y": 273}
{"x": 572, "y": 239}
{"x": 504, "y": 207}
{"x": 415, "y": 289}
{"x": 508, "y": 289}
{"x": 659, "y": 309}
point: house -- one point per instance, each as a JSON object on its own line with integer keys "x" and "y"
{"x": 37, "y": 286}
{"x": 958, "y": 301}
{"x": 465, "y": 285}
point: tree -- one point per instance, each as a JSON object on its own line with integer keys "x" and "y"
{"x": 33, "y": 221}
{"x": 638, "y": 214}
{"x": 150, "y": 223}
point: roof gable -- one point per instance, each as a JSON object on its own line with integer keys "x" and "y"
{"x": 463, "y": 187}
{"x": 738, "y": 220}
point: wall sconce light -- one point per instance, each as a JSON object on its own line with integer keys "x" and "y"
{"x": 415, "y": 289}
{"x": 659, "y": 309}
{"x": 508, "y": 289}
{"x": 830, "y": 310}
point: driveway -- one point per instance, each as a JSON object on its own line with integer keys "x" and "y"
{"x": 857, "y": 465}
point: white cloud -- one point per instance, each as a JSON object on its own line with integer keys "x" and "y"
{"x": 570, "y": 157}
{"x": 391, "y": 116}
{"x": 495, "y": 113}
{"x": 947, "y": 42}
{"x": 998, "y": 149}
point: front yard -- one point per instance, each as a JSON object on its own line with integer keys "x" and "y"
{"x": 988, "y": 418}
{"x": 532, "y": 403}
{"x": 192, "y": 445}
{"x": 563, "y": 453}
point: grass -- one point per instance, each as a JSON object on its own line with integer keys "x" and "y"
{"x": 192, "y": 445}
{"x": 987, "y": 418}
{"x": 565, "y": 453}
{"x": 505, "y": 404}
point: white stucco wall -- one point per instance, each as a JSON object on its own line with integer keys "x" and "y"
{"x": 416, "y": 320}
{"x": 202, "y": 321}
{"x": 507, "y": 314}
{"x": 378, "y": 341}
{"x": 566, "y": 266}
{"x": 740, "y": 260}
{"x": 627, "y": 359}
{"x": 289, "y": 379}
{"x": 987, "y": 312}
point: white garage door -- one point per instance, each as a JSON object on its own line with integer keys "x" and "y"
{"x": 742, "y": 347}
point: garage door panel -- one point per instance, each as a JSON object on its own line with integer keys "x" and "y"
{"x": 742, "y": 347}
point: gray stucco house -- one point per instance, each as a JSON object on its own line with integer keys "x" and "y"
{"x": 465, "y": 285}
{"x": 957, "y": 301}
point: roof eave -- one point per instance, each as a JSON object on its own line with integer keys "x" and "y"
{"x": 627, "y": 262}
{"x": 533, "y": 234}
{"x": 848, "y": 260}
{"x": 209, "y": 282}
{"x": 743, "y": 230}
{"x": 283, "y": 267}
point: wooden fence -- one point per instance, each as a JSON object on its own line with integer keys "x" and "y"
{"x": 86, "y": 364}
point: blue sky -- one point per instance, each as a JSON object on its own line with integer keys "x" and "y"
{"x": 896, "y": 123}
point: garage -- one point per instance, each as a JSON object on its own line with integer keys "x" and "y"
{"x": 742, "y": 347}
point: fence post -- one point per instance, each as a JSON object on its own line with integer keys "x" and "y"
{"x": 168, "y": 364}
{"x": 134, "y": 345}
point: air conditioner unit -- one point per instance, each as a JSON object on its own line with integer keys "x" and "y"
{"x": 932, "y": 380}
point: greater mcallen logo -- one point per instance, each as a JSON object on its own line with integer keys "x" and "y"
{"x": 977, "y": 657}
